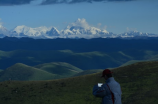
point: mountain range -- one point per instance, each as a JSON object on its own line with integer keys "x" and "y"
{"x": 78, "y": 29}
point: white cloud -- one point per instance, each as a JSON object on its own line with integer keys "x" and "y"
{"x": 81, "y": 23}
{"x": 130, "y": 29}
{"x": 105, "y": 27}
{"x": 99, "y": 24}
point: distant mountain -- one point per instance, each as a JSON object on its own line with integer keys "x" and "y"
{"x": 136, "y": 34}
{"x": 79, "y": 29}
{"x": 24, "y": 31}
{"x": 3, "y": 32}
{"x": 52, "y": 32}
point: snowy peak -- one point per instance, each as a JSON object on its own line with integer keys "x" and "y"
{"x": 136, "y": 34}
{"x": 3, "y": 31}
{"x": 80, "y": 26}
{"x": 78, "y": 29}
{"x": 53, "y": 32}
{"x": 24, "y": 31}
{"x": 21, "y": 29}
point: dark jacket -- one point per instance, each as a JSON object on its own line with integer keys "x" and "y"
{"x": 110, "y": 92}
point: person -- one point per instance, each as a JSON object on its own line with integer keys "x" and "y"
{"x": 110, "y": 92}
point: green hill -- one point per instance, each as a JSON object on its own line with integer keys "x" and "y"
{"x": 85, "y": 72}
{"x": 59, "y": 68}
{"x": 21, "y": 71}
{"x": 139, "y": 83}
{"x": 47, "y": 71}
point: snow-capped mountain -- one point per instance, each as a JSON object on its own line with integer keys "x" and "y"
{"x": 53, "y": 32}
{"x": 78, "y": 29}
{"x": 134, "y": 34}
{"x": 3, "y": 32}
{"x": 39, "y": 32}
{"x": 81, "y": 29}
{"x": 24, "y": 31}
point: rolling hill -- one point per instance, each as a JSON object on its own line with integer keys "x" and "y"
{"x": 60, "y": 68}
{"x": 139, "y": 83}
{"x": 83, "y": 60}
{"x": 21, "y": 71}
{"x": 47, "y": 71}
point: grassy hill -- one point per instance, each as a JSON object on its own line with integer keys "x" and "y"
{"x": 85, "y": 72}
{"x": 60, "y": 68}
{"x": 21, "y": 71}
{"x": 139, "y": 83}
{"x": 47, "y": 71}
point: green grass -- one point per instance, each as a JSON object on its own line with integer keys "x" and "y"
{"x": 139, "y": 83}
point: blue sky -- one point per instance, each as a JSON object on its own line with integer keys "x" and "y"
{"x": 117, "y": 16}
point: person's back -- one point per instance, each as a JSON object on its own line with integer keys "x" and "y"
{"x": 110, "y": 92}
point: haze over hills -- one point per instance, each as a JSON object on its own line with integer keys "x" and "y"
{"x": 85, "y": 54}
{"x": 79, "y": 29}
{"x": 82, "y": 60}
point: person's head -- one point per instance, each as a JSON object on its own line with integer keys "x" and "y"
{"x": 106, "y": 74}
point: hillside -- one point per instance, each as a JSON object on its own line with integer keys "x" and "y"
{"x": 47, "y": 71}
{"x": 23, "y": 72}
{"x": 82, "y": 60}
{"x": 59, "y": 68}
{"x": 85, "y": 72}
{"x": 139, "y": 83}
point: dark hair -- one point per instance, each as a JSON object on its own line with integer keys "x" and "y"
{"x": 109, "y": 75}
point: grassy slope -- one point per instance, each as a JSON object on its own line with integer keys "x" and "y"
{"x": 59, "y": 68}
{"x": 47, "y": 71}
{"x": 139, "y": 83}
{"x": 23, "y": 72}
{"x": 85, "y": 72}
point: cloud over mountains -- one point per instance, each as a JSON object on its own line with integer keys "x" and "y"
{"x": 78, "y": 29}
{"x": 14, "y": 2}
{"x": 47, "y": 2}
